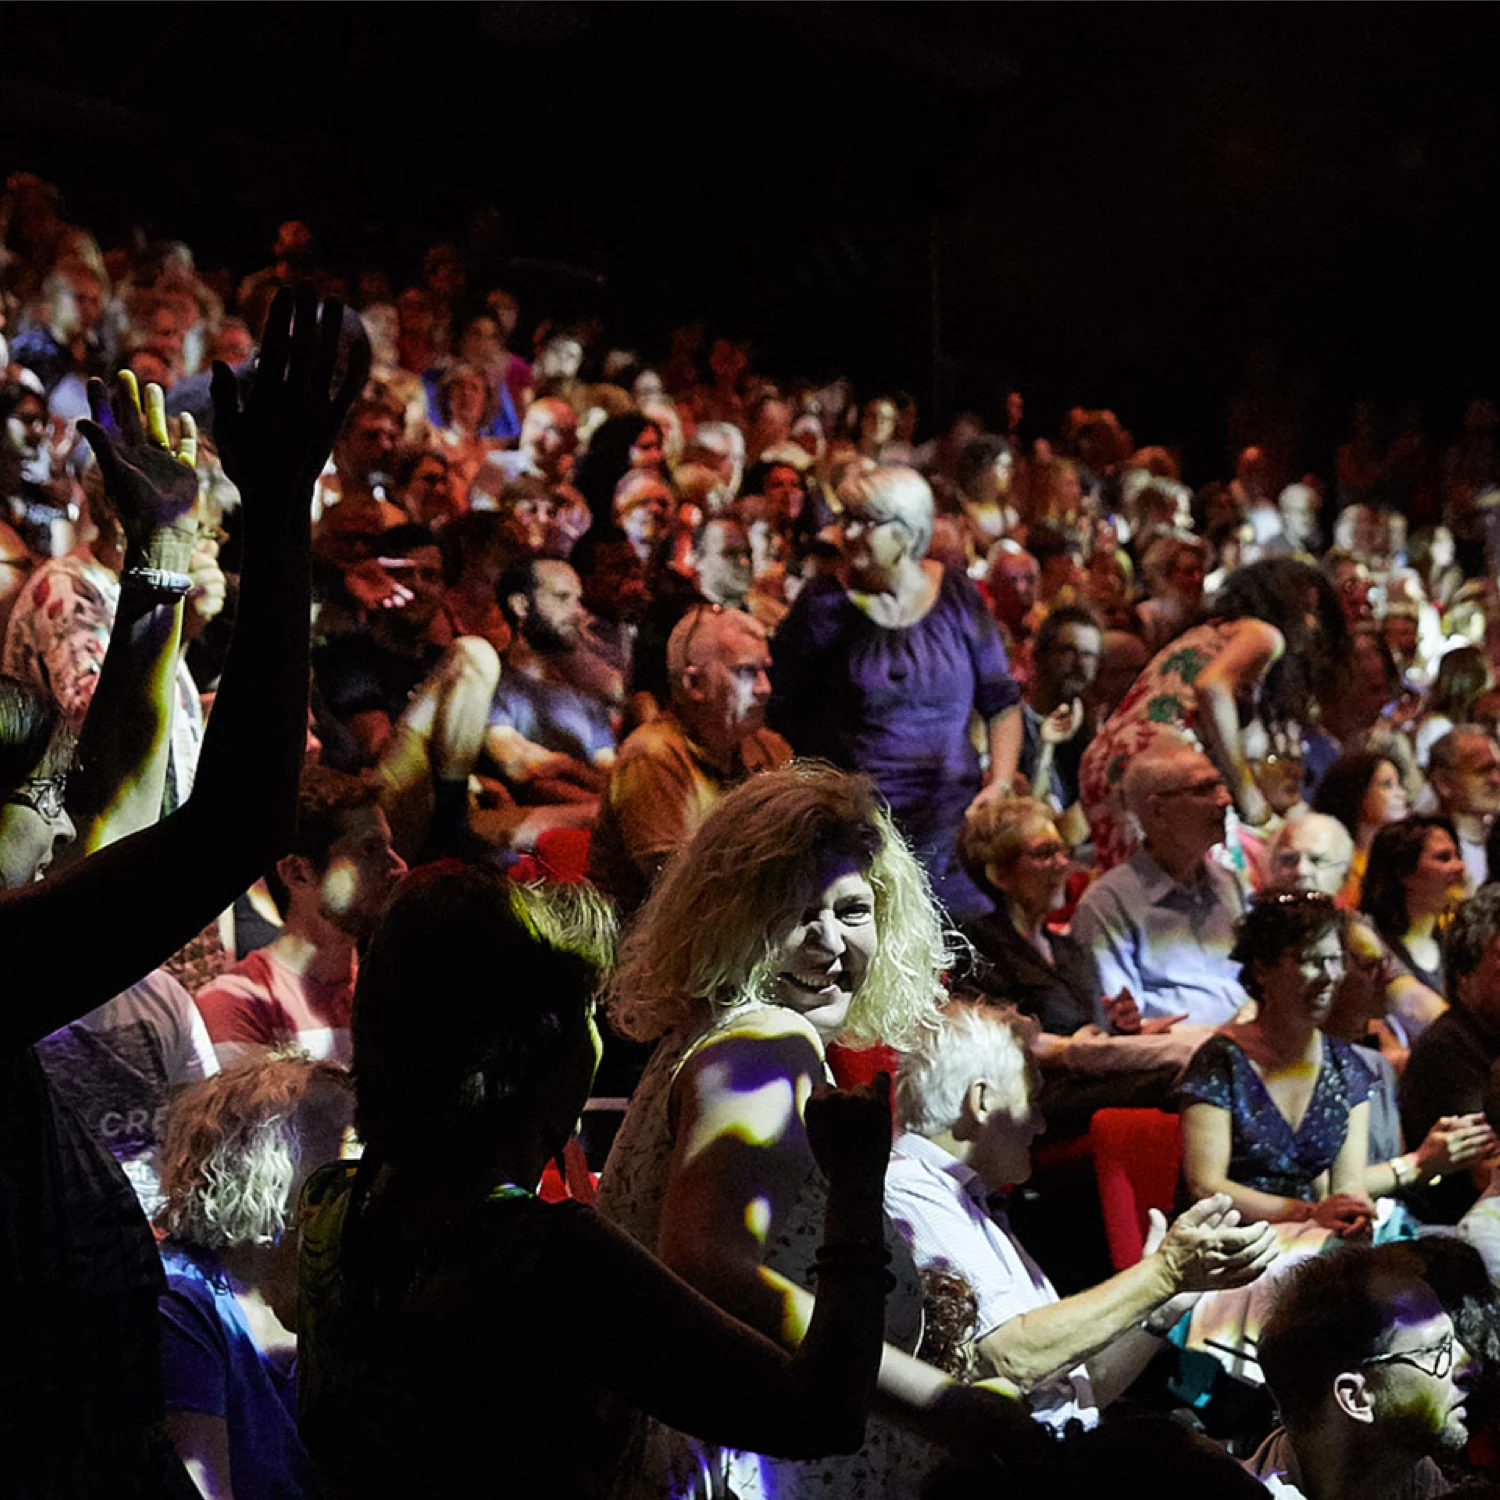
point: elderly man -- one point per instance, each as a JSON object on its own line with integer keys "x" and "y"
{"x": 1310, "y": 853}
{"x": 672, "y": 771}
{"x": 549, "y": 436}
{"x": 1464, "y": 769}
{"x": 1450, "y": 1062}
{"x": 966, "y": 1122}
{"x": 1160, "y": 927}
{"x": 1369, "y": 1377}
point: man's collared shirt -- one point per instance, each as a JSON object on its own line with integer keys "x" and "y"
{"x": 1169, "y": 944}
{"x": 938, "y": 1206}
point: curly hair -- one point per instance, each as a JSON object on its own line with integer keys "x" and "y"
{"x": 1394, "y": 856}
{"x": 234, "y": 1143}
{"x": 1280, "y": 922}
{"x": 706, "y": 939}
{"x": 514, "y": 968}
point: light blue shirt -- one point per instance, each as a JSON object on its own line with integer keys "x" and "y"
{"x": 1167, "y": 943}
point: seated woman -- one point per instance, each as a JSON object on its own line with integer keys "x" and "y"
{"x": 457, "y": 1335}
{"x": 1364, "y": 792}
{"x": 967, "y": 1118}
{"x": 822, "y": 928}
{"x": 236, "y": 1152}
{"x": 1274, "y": 1111}
{"x": 1415, "y": 878}
{"x": 1013, "y": 851}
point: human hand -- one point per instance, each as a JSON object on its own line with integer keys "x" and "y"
{"x": 1122, "y": 1013}
{"x": 1348, "y": 1215}
{"x": 206, "y": 596}
{"x": 849, "y": 1131}
{"x": 1252, "y": 807}
{"x": 373, "y": 587}
{"x": 153, "y": 490}
{"x": 991, "y": 791}
{"x": 1207, "y": 1248}
{"x": 1160, "y": 1025}
{"x": 1454, "y": 1141}
{"x": 277, "y": 443}
{"x": 1063, "y": 723}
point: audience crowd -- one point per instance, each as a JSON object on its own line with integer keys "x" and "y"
{"x": 489, "y": 787}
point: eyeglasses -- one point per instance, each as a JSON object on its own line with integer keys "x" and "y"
{"x": 44, "y": 795}
{"x": 1440, "y": 1355}
{"x": 1044, "y": 853}
{"x": 857, "y": 521}
{"x": 1208, "y": 787}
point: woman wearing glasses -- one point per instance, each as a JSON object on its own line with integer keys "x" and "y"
{"x": 883, "y": 673}
{"x": 1275, "y": 1112}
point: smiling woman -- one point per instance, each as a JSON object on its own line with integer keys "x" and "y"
{"x": 796, "y": 916}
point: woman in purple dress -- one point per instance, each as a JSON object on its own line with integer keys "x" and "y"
{"x": 884, "y": 674}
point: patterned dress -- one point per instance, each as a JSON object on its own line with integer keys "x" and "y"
{"x": 1162, "y": 704}
{"x": 632, "y": 1188}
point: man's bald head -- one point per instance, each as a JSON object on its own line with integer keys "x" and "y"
{"x": 1175, "y": 792}
{"x": 1311, "y": 853}
{"x": 718, "y": 665}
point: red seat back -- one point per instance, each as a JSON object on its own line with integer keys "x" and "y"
{"x": 1137, "y": 1160}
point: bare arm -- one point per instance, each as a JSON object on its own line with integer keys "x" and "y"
{"x": 739, "y": 1166}
{"x": 202, "y": 1443}
{"x": 1004, "y": 732}
{"x": 162, "y": 885}
{"x": 1247, "y": 656}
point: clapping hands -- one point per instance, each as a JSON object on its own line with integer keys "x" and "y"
{"x": 1208, "y": 1249}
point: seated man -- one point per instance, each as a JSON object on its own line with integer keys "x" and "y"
{"x": 1064, "y": 660}
{"x": 1451, "y": 1060}
{"x": 1013, "y": 851}
{"x": 672, "y": 771}
{"x": 552, "y": 739}
{"x": 1310, "y": 853}
{"x": 399, "y": 695}
{"x": 966, "y": 1123}
{"x": 1162, "y": 924}
{"x": 330, "y": 889}
{"x": 1464, "y": 769}
{"x": 1369, "y": 1379}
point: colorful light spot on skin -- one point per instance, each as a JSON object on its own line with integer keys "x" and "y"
{"x": 758, "y": 1218}
{"x": 756, "y": 1116}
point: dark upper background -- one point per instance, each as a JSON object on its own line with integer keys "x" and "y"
{"x": 1115, "y": 203}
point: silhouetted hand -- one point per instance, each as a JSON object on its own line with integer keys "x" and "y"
{"x": 151, "y": 488}
{"x": 849, "y": 1131}
{"x": 278, "y": 442}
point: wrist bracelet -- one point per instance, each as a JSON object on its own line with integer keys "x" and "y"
{"x": 159, "y": 581}
{"x": 1398, "y": 1166}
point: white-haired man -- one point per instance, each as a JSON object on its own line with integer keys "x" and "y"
{"x": 1310, "y": 853}
{"x": 966, "y": 1122}
{"x": 1160, "y": 927}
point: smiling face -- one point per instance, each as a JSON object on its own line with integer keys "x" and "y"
{"x": 822, "y": 957}
{"x": 1302, "y": 981}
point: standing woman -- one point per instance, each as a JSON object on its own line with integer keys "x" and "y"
{"x": 1271, "y": 634}
{"x": 883, "y": 675}
{"x": 822, "y": 928}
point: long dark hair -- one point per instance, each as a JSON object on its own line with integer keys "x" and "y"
{"x": 1284, "y": 593}
{"x": 1394, "y": 857}
{"x": 606, "y": 463}
{"x": 507, "y": 971}
{"x": 1341, "y": 792}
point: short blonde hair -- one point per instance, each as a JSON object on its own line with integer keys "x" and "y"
{"x": 972, "y": 1040}
{"x": 705, "y": 940}
{"x": 994, "y": 832}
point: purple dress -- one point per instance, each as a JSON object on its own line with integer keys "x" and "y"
{"x": 896, "y": 704}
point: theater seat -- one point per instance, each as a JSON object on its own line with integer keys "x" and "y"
{"x": 1137, "y": 1159}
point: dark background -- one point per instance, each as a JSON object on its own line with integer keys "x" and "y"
{"x": 1106, "y": 204}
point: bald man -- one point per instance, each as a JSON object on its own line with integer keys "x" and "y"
{"x": 672, "y": 771}
{"x": 1160, "y": 927}
{"x": 1310, "y": 853}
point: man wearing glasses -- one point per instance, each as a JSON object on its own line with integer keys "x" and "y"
{"x": 1369, "y": 1377}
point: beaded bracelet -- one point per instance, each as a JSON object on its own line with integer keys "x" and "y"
{"x": 160, "y": 581}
